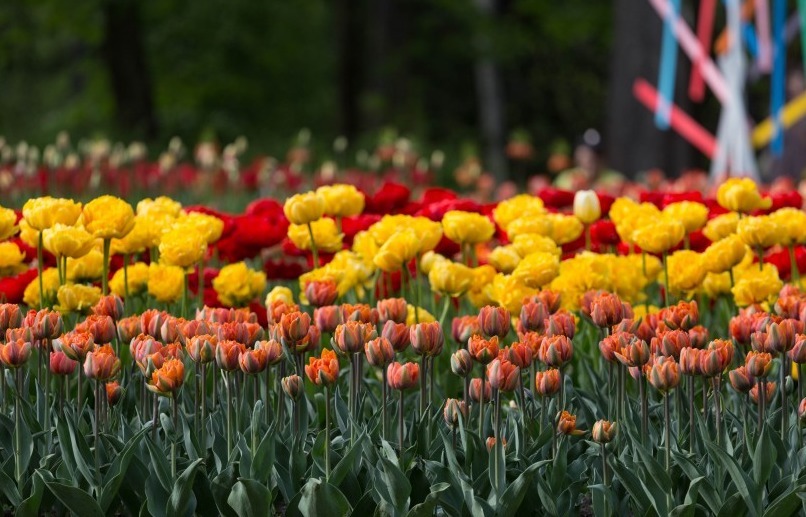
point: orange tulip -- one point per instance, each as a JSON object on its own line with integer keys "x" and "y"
{"x": 534, "y": 315}
{"x": 402, "y": 376}
{"x": 327, "y": 318}
{"x": 483, "y": 350}
{"x": 253, "y": 361}
{"x": 294, "y": 327}
{"x": 101, "y": 364}
{"x": 453, "y": 409}
{"x": 664, "y": 374}
{"x": 392, "y": 309}
{"x": 379, "y": 352}
{"x": 10, "y": 316}
{"x": 463, "y": 327}
{"x": 561, "y": 323}
{"x": 113, "y": 393}
{"x": 359, "y": 312}
{"x": 60, "y": 364}
{"x": 633, "y": 351}
{"x": 556, "y": 350}
{"x": 606, "y": 310}
{"x": 503, "y": 375}
{"x": 278, "y": 308}
{"x": 427, "y": 338}
{"x": 227, "y": 354}
{"x": 168, "y": 379}
{"x": 770, "y": 392}
{"x": 201, "y": 348}
{"x": 684, "y": 315}
{"x": 74, "y": 344}
{"x": 603, "y": 431}
{"x": 15, "y": 353}
{"x": 741, "y": 380}
{"x": 274, "y": 351}
{"x": 758, "y": 364}
{"x": 110, "y": 305}
{"x": 324, "y": 370}
{"x": 321, "y": 292}
{"x": 567, "y": 424}
{"x": 494, "y": 321}
{"x": 397, "y": 334}
{"x": 292, "y": 386}
{"x": 351, "y": 336}
{"x": 128, "y": 328}
{"x": 101, "y": 327}
{"x": 547, "y": 383}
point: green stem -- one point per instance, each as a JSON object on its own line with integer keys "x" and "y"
{"x": 175, "y": 436}
{"x": 784, "y": 406}
{"x": 760, "y": 253}
{"x": 39, "y": 268}
{"x": 105, "y": 278}
{"x": 604, "y": 465}
{"x": 667, "y": 439}
{"x": 481, "y": 407}
{"x": 227, "y": 382}
{"x": 423, "y": 384}
{"x": 18, "y": 429}
{"x": 314, "y": 251}
{"x": 184, "y": 294}
{"x": 126, "y": 300}
{"x": 400, "y": 426}
{"x": 327, "y": 433}
{"x": 200, "y": 285}
{"x": 497, "y": 449}
{"x": 587, "y": 237}
{"x": 384, "y": 396}
{"x": 667, "y": 294}
{"x": 794, "y": 264}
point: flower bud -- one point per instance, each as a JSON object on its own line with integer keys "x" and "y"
{"x": 323, "y": 370}
{"x": 698, "y": 336}
{"x": 327, "y": 318}
{"x": 567, "y": 424}
{"x": 101, "y": 364}
{"x": 491, "y": 443}
{"x": 379, "y": 352}
{"x": 683, "y": 316}
{"x": 557, "y": 350}
{"x": 494, "y": 321}
{"x": 503, "y": 375}
{"x": 168, "y": 379}
{"x": 453, "y": 409}
{"x": 520, "y": 355}
{"x": 770, "y": 392}
{"x": 253, "y": 360}
{"x": 274, "y": 351}
{"x": 461, "y": 363}
{"x": 610, "y": 346}
{"x": 398, "y": 335}
{"x": 607, "y": 310}
{"x": 292, "y": 386}
{"x": 427, "y": 338}
{"x": 227, "y": 354}
{"x": 60, "y": 364}
{"x": 102, "y": 328}
{"x": 664, "y": 374}
{"x": 633, "y": 351}
{"x": 359, "y": 312}
{"x": 294, "y": 327}
{"x": 15, "y": 353}
{"x": 110, "y": 305}
{"x": 47, "y": 324}
{"x": 798, "y": 352}
{"x": 551, "y": 299}
{"x": 671, "y": 343}
{"x": 690, "y": 361}
{"x": 741, "y": 380}
{"x": 483, "y": 350}
{"x": 781, "y": 336}
{"x": 321, "y": 292}
{"x": 586, "y": 206}
{"x": 547, "y": 383}
{"x": 758, "y": 364}
{"x": 392, "y": 309}
{"x": 561, "y": 324}
{"x": 74, "y": 344}
{"x": 113, "y": 393}
{"x": 129, "y": 328}
{"x": 278, "y": 308}
{"x": 151, "y": 322}
{"x": 463, "y": 327}
{"x": 403, "y": 376}
{"x": 603, "y": 431}
{"x": 170, "y": 331}
{"x": 533, "y": 316}
{"x": 475, "y": 391}
{"x": 10, "y": 316}
{"x": 350, "y": 337}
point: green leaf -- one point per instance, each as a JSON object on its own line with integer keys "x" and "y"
{"x": 514, "y": 494}
{"x": 264, "y": 456}
{"x": 182, "y": 501}
{"x": 744, "y": 485}
{"x": 349, "y": 461}
{"x": 221, "y": 487}
{"x": 427, "y": 507}
{"x": 30, "y": 506}
{"x": 159, "y": 465}
{"x": 764, "y": 458}
{"x": 156, "y": 496}
{"x": 9, "y": 487}
{"x": 74, "y": 499}
{"x": 321, "y": 499}
{"x": 787, "y": 504}
{"x": 249, "y": 498}
{"x": 81, "y": 453}
{"x": 117, "y": 471}
{"x": 633, "y": 485}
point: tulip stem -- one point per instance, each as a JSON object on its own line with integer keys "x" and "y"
{"x": 644, "y": 409}
{"x": 497, "y": 449}
{"x": 668, "y": 440}
{"x": 621, "y": 389}
{"x": 79, "y": 400}
{"x": 314, "y": 251}
{"x": 604, "y": 464}
{"x": 760, "y": 252}
{"x": 691, "y": 433}
{"x": 424, "y": 384}
{"x": 400, "y": 426}
{"x": 327, "y": 433}
{"x": 268, "y": 386}
{"x": 523, "y": 409}
{"x": 155, "y": 404}
{"x": 762, "y": 399}
{"x": 794, "y": 264}
{"x": 105, "y": 277}
{"x": 666, "y": 294}
{"x": 174, "y": 438}
{"x": 481, "y": 408}
{"x": 384, "y": 396}
{"x": 39, "y": 267}
{"x": 718, "y": 408}
{"x": 280, "y": 401}
{"x": 18, "y": 428}
{"x": 183, "y": 311}
{"x": 200, "y": 284}
{"x": 587, "y": 237}
{"x": 126, "y": 300}
{"x": 227, "y": 382}
{"x": 46, "y": 346}
{"x": 202, "y": 431}
{"x": 784, "y": 405}
{"x": 95, "y": 426}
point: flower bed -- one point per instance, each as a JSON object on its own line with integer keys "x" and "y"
{"x": 554, "y": 354}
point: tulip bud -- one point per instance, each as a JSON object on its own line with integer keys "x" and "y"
{"x": 110, "y": 305}
{"x": 463, "y": 327}
{"x": 359, "y": 312}
{"x": 350, "y": 337}
{"x": 102, "y": 328}
{"x": 798, "y": 352}
{"x": 402, "y": 376}
{"x": 101, "y": 364}
{"x": 561, "y": 324}
{"x": 520, "y": 355}
{"x": 151, "y": 322}
{"x": 10, "y": 316}
{"x": 741, "y": 380}
{"x": 671, "y": 343}
{"x": 397, "y": 334}
{"x": 503, "y": 375}
{"x": 278, "y": 308}
{"x": 453, "y": 409}
{"x": 483, "y": 350}
{"x": 227, "y": 354}
{"x": 379, "y": 352}
{"x": 15, "y": 353}
{"x": 557, "y": 350}
{"x": 60, "y": 364}
{"x": 633, "y": 351}
{"x": 475, "y": 391}
{"x": 781, "y": 336}
{"x": 664, "y": 374}
{"x": 551, "y": 299}
{"x": 274, "y": 351}
{"x": 253, "y": 361}
{"x": 294, "y": 327}
{"x": 607, "y": 310}
{"x": 769, "y": 392}
{"x": 610, "y": 345}
{"x": 170, "y": 330}
{"x": 698, "y": 336}
{"x": 547, "y": 383}
{"x": 327, "y": 318}
{"x": 392, "y": 309}
{"x": 323, "y": 370}
{"x": 74, "y": 344}
{"x": 690, "y": 361}
{"x": 47, "y": 324}
{"x": 167, "y": 379}
{"x": 684, "y": 315}
{"x": 128, "y": 328}
{"x": 292, "y": 386}
{"x": 758, "y": 364}
{"x": 603, "y": 431}
{"x": 533, "y": 316}
{"x": 494, "y": 321}
{"x": 113, "y": 393}
{"x": 586, "y": 206}
{"x": 491, "y": 443}
{"x": 461, "y": 363}
{"x": 321, "y": 292}
{"x": 427, "y": 338}
{"x": 567, "y": 424}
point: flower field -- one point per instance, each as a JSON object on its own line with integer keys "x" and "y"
{"x": 344, "y": 351}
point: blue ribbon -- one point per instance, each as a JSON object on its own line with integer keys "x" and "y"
{"x": 750, "y": 38}
{"x": 668, "y": 69}
{"x": 778, "y": 78}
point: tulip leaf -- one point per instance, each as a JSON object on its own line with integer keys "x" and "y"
{"x": 159, "y": 462}
{"x": 705, "y": 488}
{"x": 733, "y": 506}
{"x": 182, "y": 501}
{"x": 744, "y": 485}
{"x": 156, "y": 496}
{"x": 395, "y": 484}
{"x": 249, "y": 498}
{"x": 633, "y": 485}
{"x": 30, "y": 506}
{"x": 264, "y": 456}
{"x": 349, "y": 462}
{"x": 764, "y": 458}
{"x": 115, "y": 475}
{"x": 221, "y": 487}
{"x": 81, "y": 453}
{"x": 427, "y": 507}
{"x": 319, "y": 498}
{"x": 786, "y": 504}
{"x": 74, "y": 499}
{"x": 9, "y": 487}
{"x": 514, "y": 494}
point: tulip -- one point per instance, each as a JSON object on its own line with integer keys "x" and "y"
{"x": 503, "y": 375}
{"x": 690, "y": 361}
{"x": 427, "y": 338}
{"x": 534, "y": 315}
{"x": 633, "y": 351}
{"x": 611, "y": 345}
{"x": 227, "y": 355}
{"x": 10, "y": 316}
{"x": 684, "y": 315}
{"x": 151, "y": 322}
{"x": 586, "y": 206}
{"x": 491, "y": 441}
{"x": 482, "y": 350}
{"x": 392, "y": 309}
{"x": 556, "y": 350}
{"x": 607, "y": 310}
{"x": 292, "y": 386}
{"x": 253, "y": 361}
{"x": 15, "y": 353}
{"x": 698, "y": 336}
{"x": 403, "y": 376}
{"x": 294, "y": 327}
{"x": 463, "y": 327}
{"x": 603, "y": 431}
{"x": 101, "y": 364}
{"x": 304, "y": 208}
{"x": 494, "y": 321}
{"x": 671, "y": 343}
{"x": 566, "y": 424}
{"x": 321, "y": 292}
{"x": 476, "y": 389}
{"x": 110, "y": 305}
{"x": 461, "y": 363}
{"x": 128, "y": 328}
{"x": 324, "y": 370}
{"x": 520, "y": 355}
{"x": 142, "y": 346}
{"x": 561, "y": 324}
{"x": 190, "y": 328}
{"x": 741, "y": 380}
{"x": 453, "y": 409}
{"x": 758, "y": 364}
{"x": 277, "y": 308}
{"x": 171, "y": 332}
{"x": 102, "y": 328}
{"x": 379, "y": 352}
{"x": 547, "y": 383}
{"x": 60, "y": 364}
{"x": 398, "y": 335}
{"x": 350, "y": 337}
{"x": 47, "y": 324}
{"x": 113, "y": 393}
{"x": 274, "y": 351}
{"x": 359, "y": 312}
{"x": 781, "y": 335}
{"x": 664, "y": 374}
{"x": 74, "y": 344}
{"x": 769, "y": 390}
{"x": 327, "y": 318}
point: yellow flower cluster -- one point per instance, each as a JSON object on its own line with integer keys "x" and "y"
{"x": 137, "y": 276}
{"x": 237, "y": 284}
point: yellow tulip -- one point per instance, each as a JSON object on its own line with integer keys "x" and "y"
{"x": 565, "y": 228}
{"x": 44, "y": 212}
{"x": 537, "y": 269}
{"x": 11, "y": 259}
{"x": 530, "y": 225}
{"x": 8, "y": 223}
{"x": 50, "y": 284}
{"x": 209, "y": 226}
{"x": 237, "y": 284}
{"x": 522, "y": 205}
{"x": 759, "y": 232}
{"x": 88, "y": 267}
{"x": 162, "y": 205}
{"x": 397, "y": 251}
{"x": 724, "y": 254}
{"x": 754, "y": 286}
{"x": 68, "y": 241}
{"x": 504, "y": 258}
{"x": 467, "y": 227}
{"x": 165, "y": 283}
{"x": 692, "y": 215}
{"x": 792, "y": 223}
{"x": 325, "y": 233}
{"x": 341, "y": 200}
{"x": 532, "y": 243}
{"x": 305, "y": 208}
{"x": 741, "y": 195}
{"x": 137, "y": 275}
{"x": 686, "y": 271}
{"x": 182, "y": 248}
{"x": 451, "y": 278}
{"x": 430, "y": 260}
{"x": 721, "y": 226}
{"x": 279, "y": 293}
{"x": 659, "y": 235}
{"x": 108, "y": 217}
{"x": 77, "y": 297}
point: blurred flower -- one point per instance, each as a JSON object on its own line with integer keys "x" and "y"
{"x": 165, "y": 283}
{"x": 45, "y": 212}
{"x": 522, "y": 205}
{"x": 467, "y": 227}
{"x": 741, "y": 195}
{"x": 603, "y": 431}
{"x": 693, "y": 215}
{"x": 305, "y": 208}
{"x": 741, "y": 380}
{"x": 759, "y": 231}
{"x": 321, "y": 292}
{"x": 101, "y": 327}
{"x": 770, "y": 388}
{"x": 586, "y": 206}
{"x": 791, "y": 224}
{"x": 280, "y": 293}
{"x": 50, "y": 285}
{"x": 537, "y": 269}
{"x": 110, "y": 305}
{"x": 237, "y": 284}
{"x": 179, "y": 247}
{"x": 77, "y": 297}
{"x": 450, "y": 278}
{"x": 327, "y": 236}
{"x": 340, "y": 200}
{"x": 504, "y": 258}
{"x": 108, "y": 217}
{"x": 397, "y": 251}
{"x": 67, "y": 241}
{"x": 8, "y": 223}
{"x": 113, "y": 393}
{"x": 754, "y": 286}
{"x": 721, "y": 226}
{"x": 659, "y": 235}
{"x": 565, "y": 228}
{"x": 392, "y": 309}
{"x": 10, "y": 316}
{"x": 60, "y": 364}
{"x": 137, "y": 276}
{"x": 724, "y": 254}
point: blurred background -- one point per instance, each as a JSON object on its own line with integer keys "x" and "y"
{"x": 514, "y": 82}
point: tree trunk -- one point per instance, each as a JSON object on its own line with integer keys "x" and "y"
{"x": 128, "y": 73}
{"x": 632, "y": 140}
